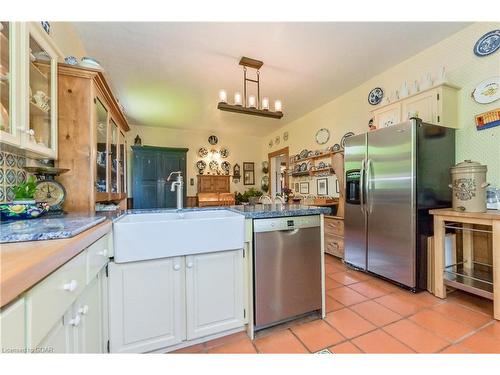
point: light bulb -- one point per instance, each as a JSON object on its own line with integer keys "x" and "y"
{"x": 265, "y": 103}
{"x": 222, "y": 96}
{"x": 277, "y": 105}
{"x": 251, "y": 101}
{"x": 237, "y": 98}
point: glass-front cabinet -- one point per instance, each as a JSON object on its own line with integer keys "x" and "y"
{"x": 113, "y": 149}
{"x": 8, "y": 131}
{"x": 101, "y": 179}
{"x": 122, "y": 166}
{"x": 28, "y": 88}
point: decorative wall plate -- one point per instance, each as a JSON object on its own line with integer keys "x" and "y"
{"x": 346, "y": 135}
{"x": 201, "y": 165}
{"x": 303, "y": 154}
{"x": 202, "y": 152}
{"x": 336, "y": 147}
{"x": 214, "y": 165}
{"x": 225, "y": 166}
{"x": 224, "y": 152}
{"x": 487, "y": 91}
{"x": 489, "y": 43}
{"x": 277, "y": 140}
{"x": 322, "y": 136}
{"x": 271, "y": 143}
{"x": 375, "y": 96}
{"x": 213, "y": 140}
{"x": 285, "y": 136}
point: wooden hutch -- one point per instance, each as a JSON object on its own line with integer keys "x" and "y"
{"x": 92, "y": 143}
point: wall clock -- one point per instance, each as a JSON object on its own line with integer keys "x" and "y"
{"x": 322, "y": 136}
{"x": 489, "y": 43}
{"x": 375, "y": 96}
{"x": 487, "y": 91}
{"x": 213, "y": 140}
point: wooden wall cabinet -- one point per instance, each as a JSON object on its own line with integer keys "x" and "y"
{"x": 91, "y": 140}
{"x": 28, "y": 89}
{"x": 436, "y": 105}
{"x": 213, "y": 184}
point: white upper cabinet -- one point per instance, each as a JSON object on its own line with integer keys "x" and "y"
{"x": 437, "y": 105}
{"x": 28, "y": 75}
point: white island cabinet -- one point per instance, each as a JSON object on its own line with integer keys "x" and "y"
{"x": 158, "y": 304}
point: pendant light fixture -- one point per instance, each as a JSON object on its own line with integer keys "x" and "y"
{"x": 250, "y": 105}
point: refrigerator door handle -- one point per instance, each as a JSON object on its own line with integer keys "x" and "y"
{"x": 369, "y": 202}
{"x": 362, "y": 187}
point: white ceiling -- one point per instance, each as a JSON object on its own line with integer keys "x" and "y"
{"x": 169, "y": 74}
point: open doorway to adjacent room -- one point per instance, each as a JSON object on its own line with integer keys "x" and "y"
{"x": 278, "y": 171}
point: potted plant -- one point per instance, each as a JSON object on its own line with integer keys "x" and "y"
{"x": 23, "y": 205}
{"x": 250, "y": 196}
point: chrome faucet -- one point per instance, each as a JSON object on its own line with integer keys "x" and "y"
{"x": 178, "y": 183}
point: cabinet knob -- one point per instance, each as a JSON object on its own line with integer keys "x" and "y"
{"x": 75, "y": 322}
{"x": 84, "y": 310}
{"x": 189, "y": 265}
{"x": 71, "y": 286}
{"x": 177, "y": 267}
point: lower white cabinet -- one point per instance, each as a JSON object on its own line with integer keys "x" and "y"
{"x": 159, "y": 303}
{"x": 146, "y": 305}
{"x": 58, "y": 340}
{"x": 13, "y": 327}
{"x": 214, "y": 293}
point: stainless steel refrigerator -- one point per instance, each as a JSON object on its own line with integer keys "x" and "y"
{"x": 393, "y": 176}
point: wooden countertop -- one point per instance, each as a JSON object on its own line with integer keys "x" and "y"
{"x": 23, "y": 264}
{"x": 488, "y": 215}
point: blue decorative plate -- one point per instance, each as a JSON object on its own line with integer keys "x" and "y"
{"x": 487, "y": 44}
{"x": 375, "y": 96}
{"x": 21, "y": 211}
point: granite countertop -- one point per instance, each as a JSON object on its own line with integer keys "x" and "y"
{"x": 69, "y": 225}
{"x": 259, "y": 211}
{"x": 47, "y": 228}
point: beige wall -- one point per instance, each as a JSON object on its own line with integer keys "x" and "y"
{"x": 67, "y": 39}
{"x": 351, "y": 112}
{"x": 241, "y": 149}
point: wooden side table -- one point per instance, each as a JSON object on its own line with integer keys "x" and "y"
{"x": 465, "y": 275}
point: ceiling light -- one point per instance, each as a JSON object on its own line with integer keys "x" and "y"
{"x": 253, "y": 106}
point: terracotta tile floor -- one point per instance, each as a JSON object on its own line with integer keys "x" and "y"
{"x": 369, "y": 315}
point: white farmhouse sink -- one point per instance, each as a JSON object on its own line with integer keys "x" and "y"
{"x": 160, "y": 235}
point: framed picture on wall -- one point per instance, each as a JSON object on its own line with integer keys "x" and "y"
{"x": 248, "y": 173}
{"x": 304, "y": 187}
{"x": 322, "y": 186}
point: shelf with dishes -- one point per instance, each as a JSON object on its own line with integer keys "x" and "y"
{"x": 303, "y": 164}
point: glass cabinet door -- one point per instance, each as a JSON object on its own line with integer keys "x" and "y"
{"x": 114, "y": 157}
{"x": 6, "y": 89}
{"x": 121, "y": 163}
{"x": 42, "y": 94}
{"x": 102, "y": 152}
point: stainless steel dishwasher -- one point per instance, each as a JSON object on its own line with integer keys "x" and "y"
{"x": 287, "y": 268}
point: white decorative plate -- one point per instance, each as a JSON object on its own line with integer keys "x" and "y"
{"x": 487, "y": 91}
{"x": 202, "y": 152}
{"x": 322, "y": 136}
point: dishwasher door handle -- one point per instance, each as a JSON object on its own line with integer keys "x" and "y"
{"x": 289, "y": 231}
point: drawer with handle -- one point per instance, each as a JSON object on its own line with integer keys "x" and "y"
{"x": 334, "y": 245}
{"x": 97, "y": 256}
{"x": 47, "y": 301}
{"x": 334, "y": 226}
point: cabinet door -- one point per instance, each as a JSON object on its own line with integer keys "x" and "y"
{"x": 8, "y": 125}
{"x": 122, "y": 152}
{"x": 214, "y": 292}
{"x": 113, "y": 158}
{"x": 39, "y": 91}
{"x": 423, "y": 106}
{"x": 387, "y": 116}
{"x": 206, "y": 184}
{"x": 221, "y": 184}
{"x": 102, "y": 165}
{"x": 13, "y": 327}
{"x": 147, "y": 305}
{"x": 59, "y": 339}
{"x": 89, "y": 309}
{"x": 145, "y": 179}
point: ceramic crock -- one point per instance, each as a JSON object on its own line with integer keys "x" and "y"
{"x": 468, "y": 182}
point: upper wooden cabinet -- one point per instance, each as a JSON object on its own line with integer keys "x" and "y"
{"x": 213, "y": 184}
{"x": 28, "y": 89}
{"x": 92, "y": 141}
{"x": 437, "y": 105}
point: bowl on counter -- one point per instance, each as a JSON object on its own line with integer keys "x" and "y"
{"x": 22, "y": 210}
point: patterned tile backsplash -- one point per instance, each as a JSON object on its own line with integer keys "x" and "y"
{"x": 11, "y": 173}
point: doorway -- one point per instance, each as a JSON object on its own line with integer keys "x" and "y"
{"x": 278, "y": 171}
